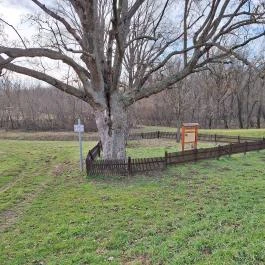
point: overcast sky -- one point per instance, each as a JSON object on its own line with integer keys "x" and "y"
{"x": 13, "y": 11}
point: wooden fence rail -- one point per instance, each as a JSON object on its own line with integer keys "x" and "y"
{"x": 131, "y": 166}
{"x": 202, "y": 137}
{"x": 173, "y": 135}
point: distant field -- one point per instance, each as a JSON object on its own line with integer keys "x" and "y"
{"x": 70, "y": 136}
{"x": 241, "y": 132}
{"x": 42, "y": 136}
{"x": 209, "y": 212}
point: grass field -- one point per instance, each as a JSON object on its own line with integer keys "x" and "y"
{"x": 244, "y": 132}
{"x": 209, "y": 212}
{"x": 66, "y": 136}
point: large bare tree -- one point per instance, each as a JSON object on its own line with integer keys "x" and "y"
{"x": 114, "y": 48}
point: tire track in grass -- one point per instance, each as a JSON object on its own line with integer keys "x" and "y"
{"x": 13, "y": 181}
{"x": 12, "y": 165}
{"x": 37, "y": 165}
{"x": 10, "y": 216}
{"x": 44, "y": 166}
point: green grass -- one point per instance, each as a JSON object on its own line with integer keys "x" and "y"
{"x": 68, "y": 135}
{"x": 156, "y": 148}
{"x": 210, "y": 212}
{"x": 236, "y": 132}
{"x": 246, "y": 132}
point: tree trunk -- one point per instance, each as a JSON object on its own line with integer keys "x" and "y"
{"x": 112, "y": 131}
{"x": 178, "y": 130}
{"x": 259, "y": 116}
{"x": 239, "y": 113}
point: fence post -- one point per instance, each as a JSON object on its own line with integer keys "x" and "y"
{"x": 195, "y": 154}
{"x": 129, "y": 166}
{"x": 230, "y": 149}
{"x": 238, "y": 139}
{"x": 215, "y": 138}
{"x": 166, "y": 158}
{"x": 158, "y": 134}
{"x": 87, "y": 166}
{"x": 218, "y": 152}
{"x": 246, "y": 148}
{"x": 142, "y": 135}
{"x": 90, "y": 154}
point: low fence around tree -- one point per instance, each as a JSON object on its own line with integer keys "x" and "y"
{"x": 202, "y": 137}
{"x": 129, "y": 166}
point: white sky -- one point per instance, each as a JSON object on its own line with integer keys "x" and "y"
{"x": 13, "y": 12}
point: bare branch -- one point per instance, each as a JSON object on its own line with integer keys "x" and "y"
{"x": 23, "y": 42}
{"x": 42, "y": 52}
{"x": 46, "y": 78}
{"x": 69, "y": 28}
{"x": 134, "y": 9}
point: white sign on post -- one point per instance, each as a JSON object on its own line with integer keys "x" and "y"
{"x": 79, "y": 128}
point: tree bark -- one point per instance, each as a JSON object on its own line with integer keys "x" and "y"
{"x": 112, "y": 125}
{"x": 239, "y": 113}
{"x": 259, "y": 116}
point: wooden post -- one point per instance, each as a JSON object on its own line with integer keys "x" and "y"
{"x": 158, "y": 134}
{"x": 238, "y": 139}
{"x": 230, "y": 149}
{"x": 215, "y": 138}
{"x": 129, "y": 166}
{"x": 246, "y": 148}
{"x": 90, "y": 154}
{"x": 87, "y": 166}
{"x": 166, "y": 158}
{"x": 196, "y": 137}
{"x": 195, "y": 155}
{"x": 182, "y": 138}
{"x": 218, "y": 152}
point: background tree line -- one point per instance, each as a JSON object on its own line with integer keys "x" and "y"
{"x": 36, "y": 107}
{"x": 224, "y": 96}
{"x": 228, "y": 95}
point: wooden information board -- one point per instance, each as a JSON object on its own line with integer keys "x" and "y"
{"x": 189, "y": 136}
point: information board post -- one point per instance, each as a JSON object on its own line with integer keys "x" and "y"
{"x": 80, "y": 129}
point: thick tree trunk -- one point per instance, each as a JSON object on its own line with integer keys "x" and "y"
{"x": 112, "y": 131}
{"x": 259, "y": 116}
